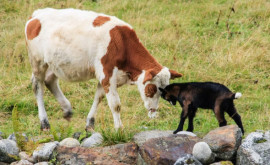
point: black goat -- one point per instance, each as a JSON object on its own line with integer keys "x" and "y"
{"x": 206, "y": 95}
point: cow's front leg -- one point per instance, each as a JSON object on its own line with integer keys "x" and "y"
{"x": 90, "y": 121}
{"x": 115, "y": 106}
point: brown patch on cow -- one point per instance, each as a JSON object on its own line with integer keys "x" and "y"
{"x": 150, "y": 90}
{"x": 100, "y": 20}
{"x": 118, "y": 108}
{"x": 126, "y": 52}
{"x": 33, "y": 29}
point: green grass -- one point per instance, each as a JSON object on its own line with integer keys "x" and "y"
{"x": 182, "y": 35}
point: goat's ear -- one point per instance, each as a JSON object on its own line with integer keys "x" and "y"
{"x": 149, "y": 74}
{"x": 162, "y": 90}
{"x": 175, "y": 74}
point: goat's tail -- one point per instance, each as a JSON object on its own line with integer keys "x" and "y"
{"x": 237, "y": 95}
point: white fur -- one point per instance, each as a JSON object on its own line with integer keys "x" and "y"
{"x": 70, "y": 47}
{"x": 238, "y": 95}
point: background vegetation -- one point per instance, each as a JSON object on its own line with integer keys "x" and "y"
{"x": 225, "y": 41}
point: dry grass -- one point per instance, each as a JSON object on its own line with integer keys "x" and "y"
{"x": 182, "y": 35}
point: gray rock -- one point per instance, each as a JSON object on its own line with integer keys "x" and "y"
{"x": 70, "y": 142}
{"x": 9, "y": 151}
{"x": 188, "y": 159}
{"x": 186, "y": 133}
{"x": 13, "y": 137}
{"x": 44, "y": 152}
{"x": 203, "y": 153}
{"x": 94, "y": 140}
{"x": 255, "y": 149}
{"x": 25, "y": 156}
{"x": 224, "y": 141}
{"x": 22, "y": 162}
{"x": 142, "y": 137}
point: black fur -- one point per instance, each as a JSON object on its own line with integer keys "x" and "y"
{"x": 206, "y": 95}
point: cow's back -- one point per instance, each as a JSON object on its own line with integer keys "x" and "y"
{"x": 71, "y": 42}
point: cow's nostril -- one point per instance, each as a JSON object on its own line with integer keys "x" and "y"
{"x": 152, "y": 110}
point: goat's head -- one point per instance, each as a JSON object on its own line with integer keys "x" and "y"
{"x": 149, "y": 88}
{"x": 166, "y": 95}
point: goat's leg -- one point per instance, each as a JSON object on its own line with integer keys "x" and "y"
{"x": 219, "y": 113}
{"x": 51, "y": 82}
{"x": 232, "y": 112}
{"x": 90, "y": 121}
{"x": 191, "y": 115}
{"x": 182, "y": 119}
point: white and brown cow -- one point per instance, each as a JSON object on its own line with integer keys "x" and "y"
{"x": 76, "y": 45}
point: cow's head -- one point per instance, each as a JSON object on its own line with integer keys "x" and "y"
{"x": 149, "y": 84}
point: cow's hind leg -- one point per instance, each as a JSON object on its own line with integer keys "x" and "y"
{"x": 38, "y": 88}
{"x": 90, "y": 121}
{"x": 51, "y": 82}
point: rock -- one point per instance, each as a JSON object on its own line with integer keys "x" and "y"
{"x": 224, "y": 141}
{"x": 93, "y": 141}
{"x": 25, "y": 156}
{"x": 116, "y": 155}
{"x": 44, "y": 152}
{"x": 255, "y": 149}
{"x": 166, "y": 150}
{"x": 13, "y": 137}
{"x": 187, "y": 160}
{"x": 142, "y": 137}
{"x": 9, "y": 151}
{"x": 223, "y": 163}
{"x": 203, "y": 153}
{"x": 186, "y": 133}
{"x": 22, "y": 162}
{"x": 70, "y": 142}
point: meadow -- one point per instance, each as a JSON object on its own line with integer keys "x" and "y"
{"x": 225, "y": 41}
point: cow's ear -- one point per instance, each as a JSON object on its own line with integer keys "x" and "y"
{"x": 149, "y": 74}
{"x": 175, "y": 74}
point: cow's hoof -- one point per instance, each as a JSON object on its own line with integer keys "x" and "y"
{"x": 44, "y": 125}
{"x": 68, "y": 115}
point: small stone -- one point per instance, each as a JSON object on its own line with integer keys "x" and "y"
{"x": 9, "y": 151}
{"x": 187, "y": 159}
{"x": 203, "y": 153}
{"x": 186, "y": 133}
{"x": 13, "y": 137}
{"x": 70, "y": 142}
{"x": 94, "y": 140}
{"x": 44, "y": 152}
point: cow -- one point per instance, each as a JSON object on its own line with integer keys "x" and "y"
{"x": 77, "y": 45}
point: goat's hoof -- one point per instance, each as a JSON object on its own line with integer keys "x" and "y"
{"x": 44, "y": 125}
{"x": 175, "y": 132}
{"x": 68, "y": 115}
{"x": 89, "y": 129}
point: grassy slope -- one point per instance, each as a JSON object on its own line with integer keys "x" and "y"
{"x": 182, "y": 35}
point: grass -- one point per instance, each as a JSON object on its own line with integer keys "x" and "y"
{"x": 182, "y": 35}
